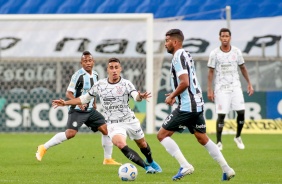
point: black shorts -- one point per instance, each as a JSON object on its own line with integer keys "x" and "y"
{"x": 93, "y": 119}
{"x": 178, "y": 120}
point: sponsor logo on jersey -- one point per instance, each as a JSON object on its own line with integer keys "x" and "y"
{"x": 109, "y": 99}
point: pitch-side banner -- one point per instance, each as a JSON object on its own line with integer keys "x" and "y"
{"x": 127, "y": 38}
{"x": 263, "y": 126}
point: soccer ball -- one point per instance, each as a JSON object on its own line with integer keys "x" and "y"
{"x": 127, "y": 172}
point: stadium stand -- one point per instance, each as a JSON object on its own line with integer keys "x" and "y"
{"x": 241, "y": 9}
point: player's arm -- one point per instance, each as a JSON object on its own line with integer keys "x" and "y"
{"x": 70, "y": 95}
{"x": 183, "y": 85}
{"x": 75, "y": 101}
{"x": 246, "y": 76}
{"x": 210, "y": 79}
{"x": 138, "y": 96}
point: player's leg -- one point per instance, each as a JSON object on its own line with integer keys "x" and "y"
{"x": 219, "y": 128}
{"x": 135, "y": 132}
{"x": 222, "y": 107}
{"x": 117, "y": 132}
{"x": 97, "y": 122}
{"x": 198, "y": 128}
{"x": 238, "y": 105}
{"x": 173, "y": 123}
{"x": 75, "y": 121}
{"x": 146, "y": 150}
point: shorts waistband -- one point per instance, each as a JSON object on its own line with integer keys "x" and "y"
{"x": 128, "y": 119}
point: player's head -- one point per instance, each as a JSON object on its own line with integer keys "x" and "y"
{"x": 114, "y": 69}
{"x": 87, "y": 61}
{"x": 173, "y": 40}
{"x": 224, "y": 36}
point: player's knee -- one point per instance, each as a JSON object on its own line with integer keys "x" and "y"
{"x": 70, "y": 133}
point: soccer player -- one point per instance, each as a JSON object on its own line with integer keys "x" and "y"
{"x": 227, "y": 93}
{"x": 80, "y": 83}
{"x": 114, "y": 93}
{"x": 189, "y": 113}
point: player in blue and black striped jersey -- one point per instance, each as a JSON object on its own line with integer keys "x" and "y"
{"x": 81, "y": 82}
{"x": 187, "y": 94}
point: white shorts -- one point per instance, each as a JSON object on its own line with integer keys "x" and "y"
{"x": 231, "y": 99}
{"x": 131, "y": 129}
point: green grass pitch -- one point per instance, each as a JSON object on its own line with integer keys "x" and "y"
{"x": 79, "y": 160}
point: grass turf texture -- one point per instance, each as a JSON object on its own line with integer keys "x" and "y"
{"x": 80, "y": 160}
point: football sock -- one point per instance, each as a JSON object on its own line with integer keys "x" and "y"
{"x": 219, "y": 126}
{"x": 216, "y": 155}
{"x": 240, "y": 122}
{"x": 147, "y": 153}
{"x": 173, "y": 149}
{"x": 107, "y": 146}
{"x": 133, "y": 156}
{"x": 56, "y": 139}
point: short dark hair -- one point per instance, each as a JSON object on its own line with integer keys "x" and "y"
{"x": 224, "y": 30}
{"x": 86, "y": 53}
{"x": 177, "y": 33}
{"x": 114, "y": 60}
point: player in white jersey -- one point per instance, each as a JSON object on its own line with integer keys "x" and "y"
{"x": 189, "y": 113}
{"x": 114, "y": 93}
{"x": 227, "y": 93}
{"x": 81, "y": 81}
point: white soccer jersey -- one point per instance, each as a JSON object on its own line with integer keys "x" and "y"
{"x": 226, "y": 67}
{"x": 114, "y": 98}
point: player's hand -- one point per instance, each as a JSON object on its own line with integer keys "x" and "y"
{"x": 168, "y": 100}
{"x": 211, "y": 96}
{"x": 144, "y": 95}
{"x": 250, "y": 90}
{"x": 57, "y": 103}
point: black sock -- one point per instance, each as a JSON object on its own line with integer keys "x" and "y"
{"x": 240, "y": 122}
{"x": 219, "y": 126}
{"x": 133, "y": 156}
{"x": 239, "y": 128}
{"x": 147, "y": 153}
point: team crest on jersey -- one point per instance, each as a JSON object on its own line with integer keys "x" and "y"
{"x": 74, "y": 124}
{"x": 119, "y": 90}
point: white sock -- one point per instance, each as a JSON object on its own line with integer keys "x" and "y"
{"x": 107, "y": 146}
{"x": 56, "y": 139}
{"x": 173, "y": 149}
{"x": 217, "y": 155}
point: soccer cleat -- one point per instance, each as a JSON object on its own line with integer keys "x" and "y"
{"x": 41, "y": 150}
{"x": 228, "y": 175}
{"x": 110, "y": 161}
{"x": 155, "y": 166}
{"x": 150, "y": 170}
{"x": 220, "y": 146}
{"x": 239, "y": 142}
{"x": 183, "y": 172}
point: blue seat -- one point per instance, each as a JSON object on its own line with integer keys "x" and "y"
{"x": 70, "y": 6}
{"x": 268, "y": 10}
{"x": 50, "y": 6}
{"x": 11, "y": 7}
{"x": 109, "y": 6}
{"x": 90, "y": 6}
